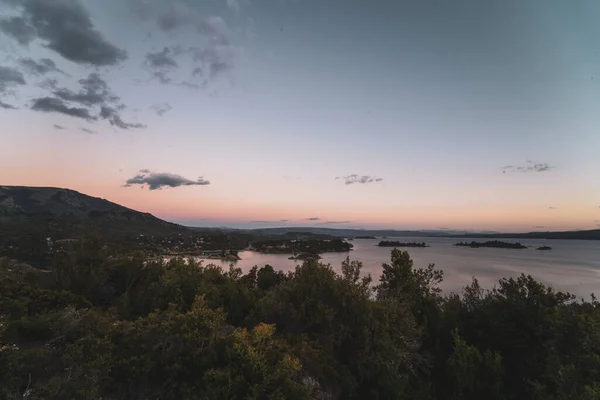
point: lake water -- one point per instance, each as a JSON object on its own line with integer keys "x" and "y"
{"x": 571, "y": 265}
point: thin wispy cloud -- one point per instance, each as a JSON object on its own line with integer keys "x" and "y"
{"x": 54, "y": 105}
{"x": 88, "y": 131}
{"x": 529, "y": 166}
{"x": 161, "y": 109}
{"x": 159, "y": 180}
{"x": 362, "y": 179}
{"x": 335, "y": 222}
{"x": 538, "y": 227}
{"x": 40, "y": 67}
{"x": 59, "y": 127}
{"x": 7, "y": 106}
{"x": 552, "y": 208}
{"x": 10, "y": 77}
{"x": 313, "y": 219}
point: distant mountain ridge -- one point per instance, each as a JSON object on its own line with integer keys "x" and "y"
{"x": 593, "y": 234}
{"x": 66, "y": 211}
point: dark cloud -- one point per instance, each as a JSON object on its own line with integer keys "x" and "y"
{"x": 19, "y": 29}
{"x": 7, "y": 106}
{"x": 529, "y": 166}
{"x": 552, "y": 208}
{"x": 161, "y": 109}
{"x": 95, "y": 92}
{"x": 86, "y": 130}
{"x": 112, "y": 115}
{"x": 313, "y": 219}
{"x": 54, "y": 105}
{"x": 161, "y": 60}
{"x": 41, "y": 67}
{"x": 59, "y": 127}
{"x": 354, "y": 178}
{"x": 156, "y": 181}
{"x": 66, "y": 27}
{"x": 9, "y": 77}
{"x": 86, "y": 98}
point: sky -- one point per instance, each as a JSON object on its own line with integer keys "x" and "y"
{"x": 424, "y": 114}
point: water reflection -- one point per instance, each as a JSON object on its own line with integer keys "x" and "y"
{"x": 571, "y": 266}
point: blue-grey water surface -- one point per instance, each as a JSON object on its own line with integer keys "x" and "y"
{"x": 571, "y": 265}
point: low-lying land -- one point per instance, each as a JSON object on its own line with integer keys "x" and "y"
{"x": 494, "y": 244}
{"x": 310, "y": 246}
{"x": 386, "y": 243}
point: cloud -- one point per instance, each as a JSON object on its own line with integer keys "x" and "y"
{"x": 161, "y": 59}
{"x": 59, "y": 127}
{"x": 7, "y": 106}
{"x": 94, "y": 93}
{"x": 313, "y": 219}
{"x": 91, "y": 132}
{"x": 10, "y": 77}
{"x": 54, "y": 105}
{"x": 269, "y": 222}
{"x": 41, "y": 67}
{"x": 552, "y": 208}
{"x": 158, "y": 180}
{"x": 336, "y": 222}
{"x": 161, "y": 109}
{"x": 112, "y": 115}
{"x": 363, "y": 179}
{"x": 538, "y": 227}
{"x": 66, "y": 27}
{"x": 529, "y": 166}
{"x": 215, "y": 61}
{"x": 86, "y": 98}
{"x": 19, "y": 29}
{"x": 181, "y": 16}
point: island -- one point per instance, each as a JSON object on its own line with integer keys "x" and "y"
{"x": 494, "y": 244}
{"x": 365, "y": 237}
{"x": 544, "y": 248}
{"x": 387, "y": 243}
{"x": 298, "y": 246}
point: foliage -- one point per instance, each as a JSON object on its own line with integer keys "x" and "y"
{"x": 105, "y": 324}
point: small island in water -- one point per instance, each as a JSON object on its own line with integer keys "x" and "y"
{"x": 299, "y": 247}
{"x": 365, "y": 237}
{"x": 544, "y": 248}
{"x": 387, "y": 243}
{"x": 494, "y": 244}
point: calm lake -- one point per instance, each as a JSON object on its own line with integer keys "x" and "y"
{"x": 571, "y": 265}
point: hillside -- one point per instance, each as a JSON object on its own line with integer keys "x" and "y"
{"x": 64, "y": 212}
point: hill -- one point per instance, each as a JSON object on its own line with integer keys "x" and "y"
{"x": 62, "y": 213}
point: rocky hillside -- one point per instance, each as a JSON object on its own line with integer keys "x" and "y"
{"x": 29, "y": 210}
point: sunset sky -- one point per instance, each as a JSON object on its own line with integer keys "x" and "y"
{"x": 424, "y": 114}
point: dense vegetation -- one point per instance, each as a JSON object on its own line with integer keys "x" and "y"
{"x": 99, "y": 325}
{"x": 388, "y": 243}
{"x": 310, "y": 246}
{"x": 493, "y": 243}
